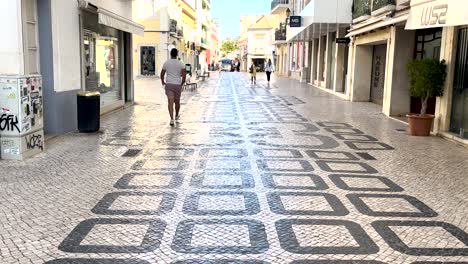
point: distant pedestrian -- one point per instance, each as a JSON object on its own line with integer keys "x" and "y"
{"x": 269, "y": 69}
{"x": 253, "y": 73}
{"x": 238, "y": 65}
{"x": 176, "y": 75}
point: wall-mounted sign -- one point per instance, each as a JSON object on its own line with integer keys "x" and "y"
{"x": 343, "y": 40}
{"x": 437, "y": 13}
{"x": 295, "y": 21}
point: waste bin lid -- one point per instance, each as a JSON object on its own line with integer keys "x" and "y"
{"x": 88, "y": 93}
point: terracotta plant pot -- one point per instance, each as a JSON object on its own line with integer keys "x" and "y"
{"x": 420, "y": 125}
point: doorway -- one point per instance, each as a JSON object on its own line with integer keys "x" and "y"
{"x": 459, "y": 118}
{"x": 379, "y": 61}
{"x": 147, "y": 60}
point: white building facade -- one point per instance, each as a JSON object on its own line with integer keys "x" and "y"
{"x": 359, "y": 50}
{"x": 449, "y": 21}
{"x": 75, "y": 46}
{"x": 309, "y": 52}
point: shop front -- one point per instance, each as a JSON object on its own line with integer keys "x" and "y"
{"x": 459, "y": 114}
{"x": 448, "y": 24}
{"x": 106, "y": 48}
{"x": 314, "y": 56}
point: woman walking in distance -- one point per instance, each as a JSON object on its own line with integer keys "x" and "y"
{"x": 269, "y": 69}
{"x": 176, "y": 75}
{"x": 253, "y": 73}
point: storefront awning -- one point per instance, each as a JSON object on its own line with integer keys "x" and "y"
{"x": 118, "y": 22}
{"x": 330, "y": 12}
{"x": 437, "y": 13}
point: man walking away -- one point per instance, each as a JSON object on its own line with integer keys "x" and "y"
{"x": 176, "y": 75}
{"x": 269, "y": 69}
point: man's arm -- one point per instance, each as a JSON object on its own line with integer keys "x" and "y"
{"x": 183, "y": 73}
{"x": 163, "y": 72}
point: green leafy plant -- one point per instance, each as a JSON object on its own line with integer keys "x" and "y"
{"x": 229, "y": 45}
{"x": 427, "y": 79}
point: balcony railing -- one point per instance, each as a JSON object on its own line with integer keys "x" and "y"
{"x": 173, "y": 26}
{"x": 280, "y": 33}
{"x": 361, "y": 8}
{"x": 205, "y": 41}
{"x": 275, "y": 3}
{"x": 383, "y": 5}
{"x": 364, "y": 8}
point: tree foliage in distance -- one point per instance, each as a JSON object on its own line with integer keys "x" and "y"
{"x": 427, "y": 79}
{"x": 229, "y": 45}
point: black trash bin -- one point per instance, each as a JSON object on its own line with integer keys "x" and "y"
{"x": 89, "y": 111}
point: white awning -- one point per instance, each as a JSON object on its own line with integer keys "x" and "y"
{"x": 437, "y": 13}
{"x": 319, "y": 12}
{"x": 118, "y": 22}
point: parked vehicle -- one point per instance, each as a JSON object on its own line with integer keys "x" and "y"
{"x": 226, "y": 64}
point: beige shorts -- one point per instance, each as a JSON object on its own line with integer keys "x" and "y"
{"x": 173, "y": 90}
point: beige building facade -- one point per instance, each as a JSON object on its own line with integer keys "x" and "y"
{"x": 256, "y": 43}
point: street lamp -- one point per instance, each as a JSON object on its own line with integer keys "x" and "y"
{"x": 288, "y": 12}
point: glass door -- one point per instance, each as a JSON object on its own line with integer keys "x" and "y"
{"x": 459, "y": 122}
{"x": 147, "y": 60}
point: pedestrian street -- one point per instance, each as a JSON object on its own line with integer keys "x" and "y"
{"x": 267, "y": 173}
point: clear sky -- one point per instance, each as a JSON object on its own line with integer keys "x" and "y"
{"x": 229, "y": 11}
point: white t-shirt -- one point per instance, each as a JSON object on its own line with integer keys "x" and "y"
{"x": 173, "y": 68}
{"x": 269, "y": 68}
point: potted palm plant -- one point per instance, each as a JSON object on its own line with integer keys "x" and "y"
{"x": 427, "y": 78}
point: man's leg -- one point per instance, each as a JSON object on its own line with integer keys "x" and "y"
{"x": 177, "y": 106}
{"x": 170, "y": 106}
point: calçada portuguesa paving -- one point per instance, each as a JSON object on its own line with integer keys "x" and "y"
{"x": 251, "y": 174}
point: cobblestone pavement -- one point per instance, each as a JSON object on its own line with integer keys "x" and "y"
{"x": 251, "y": 174}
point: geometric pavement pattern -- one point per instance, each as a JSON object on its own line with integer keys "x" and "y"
{"x": 245, "y": 178}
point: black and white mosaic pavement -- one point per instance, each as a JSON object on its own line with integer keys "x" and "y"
{"x": 250, "y": 174}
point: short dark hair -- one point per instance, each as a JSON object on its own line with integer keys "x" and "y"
{"x": 174, "y": 53}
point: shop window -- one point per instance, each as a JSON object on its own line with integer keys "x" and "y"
{"x": 299, "y": 56}
{"x": 294, "y": 57}
{"x": 147, "y": 60}
{"x": 428, "y": 43}
{"x": 102, "y": 59}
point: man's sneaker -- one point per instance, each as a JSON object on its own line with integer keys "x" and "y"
{"x": 171, "y": 123}
{"x": 177, "y": 117}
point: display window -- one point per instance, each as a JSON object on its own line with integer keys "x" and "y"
{"x": 102, "y": 59}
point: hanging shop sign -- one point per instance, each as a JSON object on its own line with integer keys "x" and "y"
{"x": 295, "y": 21}
{"x": 343, "y": 40}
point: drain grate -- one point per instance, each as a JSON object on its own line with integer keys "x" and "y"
{"x": 365, "y": 155}
{"x": 131, "y": 153}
